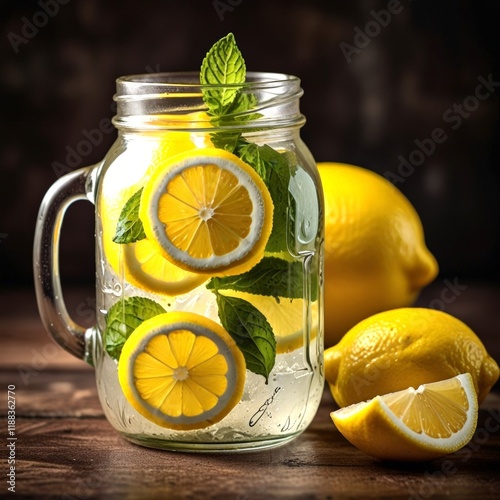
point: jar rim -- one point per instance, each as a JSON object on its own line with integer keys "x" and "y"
{"x": 274, "y": 100}
{"x": 190, "y": 79}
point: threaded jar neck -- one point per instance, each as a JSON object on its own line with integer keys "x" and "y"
{"x": 162, "y": 101}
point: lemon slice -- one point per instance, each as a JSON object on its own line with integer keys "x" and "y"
{"x": 141, "y": 264}
{"x": 146, "y": 268}
{"x": 208, "y": 211}
{"x": 181, "y": 371}
{"x": 286, "y": 318}
{"x": 179, "y": 135}
{"x": 413, "y": 424}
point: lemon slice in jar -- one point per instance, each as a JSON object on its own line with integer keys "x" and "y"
{"x": 181, "y": 371}
{"x": 140, "y": 263}
{"x": 208, "y": 212}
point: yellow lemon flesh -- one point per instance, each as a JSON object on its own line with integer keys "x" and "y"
{"x": 375, "y": 254}
{"x": 146, "y": 268}
{"x": 181, "y": 371}
{"x": 413, "y": 424}
{"x": 402, "y": 348}
{"x": 140, "y": 263}
{"x": 208, "y": 212}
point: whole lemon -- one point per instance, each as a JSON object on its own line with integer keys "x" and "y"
{"x": 402, "y": 348}
{"x": 375, "y": 254}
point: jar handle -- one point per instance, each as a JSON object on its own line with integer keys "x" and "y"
{"x": 76, "y": 185}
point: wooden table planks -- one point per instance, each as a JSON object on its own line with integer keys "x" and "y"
{"x": 66, "y": 448}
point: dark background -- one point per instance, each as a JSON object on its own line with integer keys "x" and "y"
{"x": 369, "y": 111}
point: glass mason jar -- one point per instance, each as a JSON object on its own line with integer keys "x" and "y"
{"x": 209, "y": 258}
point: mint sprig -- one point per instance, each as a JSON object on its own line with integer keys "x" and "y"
{"x": 276, "y": 172}
{"x": 123, "y": 318}
{"x": 272, "y": 276}
{"x": 223, "y": 66}
{"x": 227, "y": 102}
{"x": 129, "y": 227}
{"x": 251, "y": 332}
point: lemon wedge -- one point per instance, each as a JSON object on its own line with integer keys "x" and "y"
{"x": 413, "y": 424}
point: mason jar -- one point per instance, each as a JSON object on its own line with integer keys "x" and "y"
{"x": 209, "y": 265}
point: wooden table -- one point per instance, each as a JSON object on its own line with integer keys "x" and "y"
{"x": 66, "y": 449}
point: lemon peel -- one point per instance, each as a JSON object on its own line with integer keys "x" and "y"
{"x": 376, "y": 258}
{"x": 402, "y": 348}
{"x": 413, "y": 424}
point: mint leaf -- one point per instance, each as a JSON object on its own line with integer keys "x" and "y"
{"x": 239, "y": 111}
{"x": 271, "y": 276}
{"x": 251, "y": 332}
{"x": 123, "y": 318}
{"x": 275, "y": 171}
{"x": 223, "y": 65}
{"x": 228, "y": 105}
{"x": 226, "y": 140}
{"x": 129, "y": 228}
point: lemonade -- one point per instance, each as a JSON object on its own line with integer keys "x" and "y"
{"x": 209, "y": 261}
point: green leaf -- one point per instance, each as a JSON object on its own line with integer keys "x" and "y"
{"x": 123, "y": 318}
{"x": 275, "y": 171}
{"x": 272, "y": 276}
{"x": 239, "y": 111}
{"x": 226, "y": 140}
{"x": 129, "y": 228}
{"x": 223, "y": 65}
{"x": 228, "y": 104}
{"x": 251, "y": 332}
